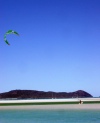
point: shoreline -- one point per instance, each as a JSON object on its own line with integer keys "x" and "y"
{"x": 49, "y": 100}
{"x": 53, "y": 107}
{"x": 51, "y": 104}
{"x": 17, "y": 102}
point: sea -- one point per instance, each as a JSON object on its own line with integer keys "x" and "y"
{"x": 49, "y": 116}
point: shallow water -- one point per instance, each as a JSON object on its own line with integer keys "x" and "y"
{"x": 49, "y": 116}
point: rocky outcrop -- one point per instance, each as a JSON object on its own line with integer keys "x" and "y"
{"x": 34, "y": 94}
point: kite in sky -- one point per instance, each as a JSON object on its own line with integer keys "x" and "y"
{"x": 9, "y": 32}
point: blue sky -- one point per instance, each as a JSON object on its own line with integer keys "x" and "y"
{"x": 58, "y": 48}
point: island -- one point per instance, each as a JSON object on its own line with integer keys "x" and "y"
{"x": 34, "y": 94}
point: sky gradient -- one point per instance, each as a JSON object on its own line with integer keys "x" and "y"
{"x": 58, "y": 48}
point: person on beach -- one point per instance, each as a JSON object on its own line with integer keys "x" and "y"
{"x": 80, "y": 102}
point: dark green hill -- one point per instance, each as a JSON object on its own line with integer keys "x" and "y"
{"x": 34, "y": 94}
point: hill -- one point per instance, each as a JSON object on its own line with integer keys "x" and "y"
{"x": 34, "y": 94}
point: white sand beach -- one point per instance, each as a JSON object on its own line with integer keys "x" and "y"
{"x": 53, "y": 107}
{"x": 49, "y": 100}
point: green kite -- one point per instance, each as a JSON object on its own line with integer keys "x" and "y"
{"x": 9, "y": 32}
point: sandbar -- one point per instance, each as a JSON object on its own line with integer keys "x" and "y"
{"x": 53, "y": 107}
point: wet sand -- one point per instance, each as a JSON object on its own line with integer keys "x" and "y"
{"x": 53, "y": 107}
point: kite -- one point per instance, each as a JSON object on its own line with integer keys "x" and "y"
{"x": 9, "y": 32}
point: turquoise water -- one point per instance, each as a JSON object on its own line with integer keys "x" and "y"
{"x": 49, "y": 116}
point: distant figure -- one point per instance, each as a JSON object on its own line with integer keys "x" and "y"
{"x": 80, "y": 102}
